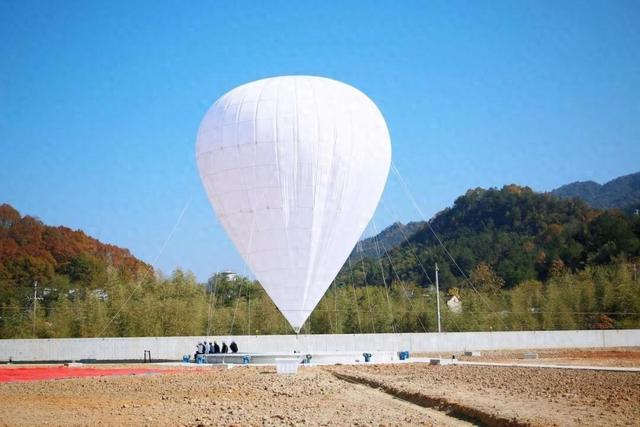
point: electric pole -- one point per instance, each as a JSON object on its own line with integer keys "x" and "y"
{"x": 438, "y": 298}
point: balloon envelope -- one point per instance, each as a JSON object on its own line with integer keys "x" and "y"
{"x": 294, "y": 167}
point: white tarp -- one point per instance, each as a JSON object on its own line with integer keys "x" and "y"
{"x": 294, "y": 168}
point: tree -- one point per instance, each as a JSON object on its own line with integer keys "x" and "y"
{"x": 485, "y": 279}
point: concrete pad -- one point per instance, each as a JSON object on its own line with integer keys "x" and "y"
{"x": 442, "y": 361}
{"x": 73, "y": 365}
{"x": 316, "y": 358}
{"x": 543, "y": 365}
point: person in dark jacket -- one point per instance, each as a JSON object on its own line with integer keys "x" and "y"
{"x": 216, "y": 348}
{"x": 225, "y": 349}
{"x": 233, "y": 347}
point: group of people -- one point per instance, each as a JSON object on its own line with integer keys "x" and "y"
{"x": 214, "y": 348}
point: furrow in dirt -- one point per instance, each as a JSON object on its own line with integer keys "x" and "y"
{"x": 450, "y": 408}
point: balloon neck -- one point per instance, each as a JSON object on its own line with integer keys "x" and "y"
{"x": 297, "y": 330}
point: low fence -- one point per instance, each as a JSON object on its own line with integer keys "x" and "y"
{"x": 172, "y": 348}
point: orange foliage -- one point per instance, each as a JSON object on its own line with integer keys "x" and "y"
{"x": 30, "y": 248}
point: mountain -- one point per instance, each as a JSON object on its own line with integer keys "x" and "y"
{"x": 622, "y": 193}
{"x": 392, "y": 236}
{"x": 522, "y": 235}
{"x": 31, "y": 250}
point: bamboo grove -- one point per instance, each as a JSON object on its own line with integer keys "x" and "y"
{"x": 599, "y": 297}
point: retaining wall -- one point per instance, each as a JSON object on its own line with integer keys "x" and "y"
{"x": 172, "y": 348}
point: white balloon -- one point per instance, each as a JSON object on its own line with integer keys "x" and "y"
{"x": 294, "y": 168}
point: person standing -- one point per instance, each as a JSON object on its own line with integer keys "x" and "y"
{"x": 199, "y": 350}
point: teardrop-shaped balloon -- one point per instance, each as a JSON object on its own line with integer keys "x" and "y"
{"x": 294, "y": 167}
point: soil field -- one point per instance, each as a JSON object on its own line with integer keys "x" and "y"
{"x": 509, "y": 395}
{"x": 214, "y": 396}
{"x": 390, "y": 395}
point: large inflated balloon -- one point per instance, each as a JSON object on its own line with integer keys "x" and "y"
{"x": 294, "y": 168}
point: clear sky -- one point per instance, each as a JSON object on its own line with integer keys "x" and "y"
{"x": 100, "y": 102}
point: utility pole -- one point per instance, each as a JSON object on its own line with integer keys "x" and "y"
{"x": 35, "y": 305}
{"x": 438, "y": 298}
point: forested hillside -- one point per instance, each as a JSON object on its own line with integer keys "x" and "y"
{"x": 622, "y": 193}
{"x": 31, "y": 251}
{"x": 390, "y": 237}
{"x": 520, "y": 234}
{"x": 66, "y": 265}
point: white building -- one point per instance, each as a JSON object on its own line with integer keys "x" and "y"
{"x": 229, "y": 275}
{"x": 454, "y": 304}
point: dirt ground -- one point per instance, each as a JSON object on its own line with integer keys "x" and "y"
{"x": 508, "y": 395}
{"x": 213, "y": 396}
{"x": 390, "y": 395}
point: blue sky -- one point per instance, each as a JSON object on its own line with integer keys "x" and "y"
{"x": 100, "y": 102}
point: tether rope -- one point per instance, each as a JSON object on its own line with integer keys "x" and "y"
{"x": 335, "y": 305}
{"x": 384, "y": 280}
{"x": 366, "y": 291}
{"x": 212, "y": 299}
{"x": 446, "y": 251}
{"x": 393, "y": 268}
{"x": 148, "y": 270}
{"x": 408, "y": 245}
{"x": 355, "y": 296}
